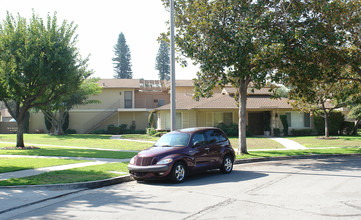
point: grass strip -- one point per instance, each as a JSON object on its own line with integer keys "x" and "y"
{"x": 339, "y": 141}
{"x": 281, "y": 153}
{"x": 257, "y": 143}
{"x": 68, "y": 152}
{"x": 79, "y": 140}
{"x": 16, "y": 164}
{"x": 82, "y": 174}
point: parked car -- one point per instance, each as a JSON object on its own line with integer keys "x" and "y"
{"x": 179, "y": 153}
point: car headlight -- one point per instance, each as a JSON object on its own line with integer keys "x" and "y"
{"x": 165, "y": 161}
{"x": 132, "y": 160}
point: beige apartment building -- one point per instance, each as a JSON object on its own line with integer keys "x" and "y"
{"x": 130, "y": 101}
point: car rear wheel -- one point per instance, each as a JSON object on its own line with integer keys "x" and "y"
{"x": 178, "y": 173}
{"x": 227, "y": 164}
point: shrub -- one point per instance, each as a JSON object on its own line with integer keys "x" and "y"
{"x": 277, "y": 132}
{"x": 66, "y": 122}
{"x": 335, "y": 121}
{"x": 284, "y": 124}
{"x": 123, "y": 128}
{"x": 48, "y": 124}
{"x": 70, "y": 131}
{"x": 100, "y": 131}
{"x": 132, "y": 127}
{"x": 113, "y": 129}
{"x": 229, "y": 130}
{"x": 151, "y": 131}
{"x": 302, "y": 132}
{"x": 347, "y": 128}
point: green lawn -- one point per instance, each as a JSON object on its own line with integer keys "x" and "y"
{"x": 141, "y": 137}
{"x": 16, "y": 164}
{"x": 68, "y": 152}
{"x": 82, "y": 174}
{"x": 78, "y": 140}
{"x": 257, "y": 143}
{"x": 342, "y": 141}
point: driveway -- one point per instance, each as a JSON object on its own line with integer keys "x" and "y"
{"x": 328, "y": 188}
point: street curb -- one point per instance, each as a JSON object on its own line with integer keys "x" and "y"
{"x": 81, "y": 185}
{"x": 128, "y": 178}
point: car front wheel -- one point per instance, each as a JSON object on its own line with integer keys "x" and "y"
{"x": 227, "y": 164}
{"x": 178, "y": 173}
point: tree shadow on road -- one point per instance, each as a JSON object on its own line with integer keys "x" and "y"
{"x": 211, "y": 177}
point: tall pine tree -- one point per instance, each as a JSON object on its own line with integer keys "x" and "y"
{"x": 162, "y": 63}
{"x": 121, "y": 61}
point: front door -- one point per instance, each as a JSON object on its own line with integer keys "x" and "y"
{"x": 256, "y": 123}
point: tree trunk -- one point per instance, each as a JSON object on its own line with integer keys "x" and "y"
{"x": 20, "y": 134}
{"x": 354, "y": 130}
{"x": 242, "y": 113}
{"x": 327, "y": 132}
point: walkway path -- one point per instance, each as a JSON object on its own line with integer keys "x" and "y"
{"x": 289, "y": 144}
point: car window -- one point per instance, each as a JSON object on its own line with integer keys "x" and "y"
{"x": 212, "y": 136}
{"x": 198, "y": 137}
{"x": 221, "y": 136}
{"x": 173, "y": 139}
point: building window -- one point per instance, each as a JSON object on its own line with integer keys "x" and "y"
{"x": 179, "y": 124}
{"x": 222, "y": 117}
{"x": 160, "y": 102}
{"x": 288, "y": 114}
{"x": 128, "y": 99}
{"x": 298, "y": 120}
{"x": 306, "y": 120}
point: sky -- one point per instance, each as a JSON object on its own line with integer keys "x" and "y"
{"x": 99, "y": 24}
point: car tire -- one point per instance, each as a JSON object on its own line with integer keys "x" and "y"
{"x": 178, "y": 173}
{"x": 227, "y": 164}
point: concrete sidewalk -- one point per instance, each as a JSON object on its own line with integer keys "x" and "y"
{"x": 289, "y": 144}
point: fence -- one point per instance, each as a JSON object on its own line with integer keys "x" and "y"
{"x": 8, "y": 127}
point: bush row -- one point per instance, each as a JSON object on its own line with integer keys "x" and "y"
{"x": 121, "y": 129}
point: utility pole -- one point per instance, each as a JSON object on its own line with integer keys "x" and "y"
{"x": 172, "y": 69}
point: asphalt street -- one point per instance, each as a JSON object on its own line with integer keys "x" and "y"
{"x": 328, "y": 188}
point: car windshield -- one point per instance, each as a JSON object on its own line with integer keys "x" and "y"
{"x": 173, "y": 139}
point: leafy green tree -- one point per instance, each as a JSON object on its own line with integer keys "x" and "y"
{"x": 323, "y": 98}
{"x": 162, "y": 63}
{"x": 56, "y": 112}
{"x": 320, "y": 40}
{"x": 355, "y": 112}
{"x": 230, "y": 42}
{"x": 39, "y": 63}
{"x": 122, "y": 59}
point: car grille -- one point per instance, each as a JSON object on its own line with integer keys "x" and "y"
{"x": 143, "y": 161}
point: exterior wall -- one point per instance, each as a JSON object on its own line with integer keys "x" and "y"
{"x": 150, "y": 100}
{"x": 110, "y": 99}
{"x": 36, "y": 123}
{"x": 205, "y": 117}
{"x": 82, "y": 121}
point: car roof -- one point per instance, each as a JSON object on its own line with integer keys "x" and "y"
{"x": 195, "y": 129}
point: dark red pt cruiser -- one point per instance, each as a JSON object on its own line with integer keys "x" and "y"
{"x": 179, "y": 153}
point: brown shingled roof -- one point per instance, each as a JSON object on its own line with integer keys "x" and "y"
{"x": 219, "y": 101}
{"x": 262, "y": 91}
{"x": 119, "y": 83}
